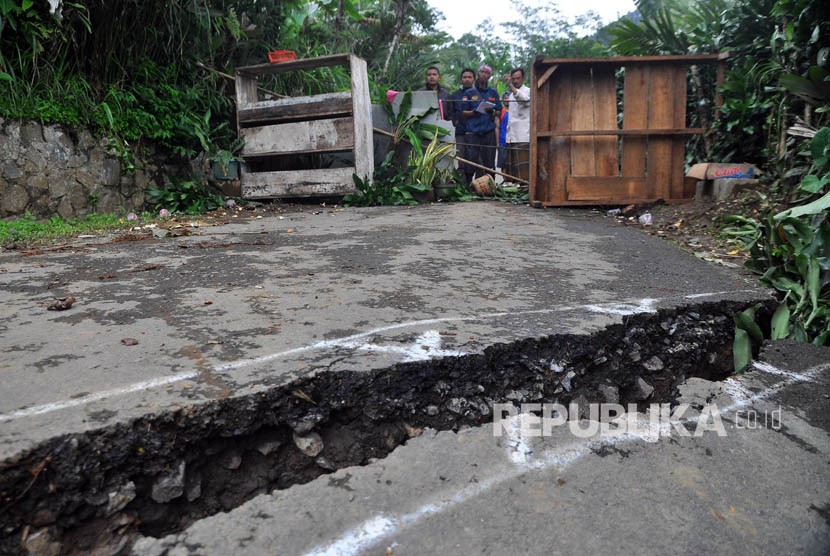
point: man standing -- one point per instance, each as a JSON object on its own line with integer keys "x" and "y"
{"x": 467, "y": 79}
{"x": 433, "y": 78}
{"x": 518, "y": 126}
{"x": 480, "y": 107}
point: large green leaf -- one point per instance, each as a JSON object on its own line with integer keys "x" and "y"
{"x": 799, "y": 234}
{"x": 819, "y": 205}
{"x": 781, "y": 322}
{"x": 812, "y": 89}
{"x": 745, "y": 320}
{"x": 819, "y": 145}
{"x": 785, "y": 284}
{"x": 741, "y": 350}
{"x": 812, "y": 281}
{"x": 415, "y": 141}
{"x": 814, "y": 184}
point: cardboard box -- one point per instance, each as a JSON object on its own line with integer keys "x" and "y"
{"x": 715, "y": 170}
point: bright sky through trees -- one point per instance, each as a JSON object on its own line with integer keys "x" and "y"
{"x": 463, "y": 16}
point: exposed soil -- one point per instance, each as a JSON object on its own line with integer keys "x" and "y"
{"x": 93, "y": 492}
{"x": 697, "y": 228}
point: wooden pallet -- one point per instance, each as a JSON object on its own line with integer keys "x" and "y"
{"x": 290, "y": 143}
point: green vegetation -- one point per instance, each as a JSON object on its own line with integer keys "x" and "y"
{"x": 791, "y": 251}
{"x": 412, "y": 168}
{"x": 146, "y": 72}
{"x": 28, "y": 229}
{"x": 186, "y": 196}
{"x": 775, "y": 112}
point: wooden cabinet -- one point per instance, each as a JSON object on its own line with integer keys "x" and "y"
{"x": 585, "y": 151}
{"x": 304, "y": 146}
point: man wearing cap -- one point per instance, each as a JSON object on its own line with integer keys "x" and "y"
{"x": 480, "y": 107}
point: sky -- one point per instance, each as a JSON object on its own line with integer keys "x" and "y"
{"x": 463, "y": 16}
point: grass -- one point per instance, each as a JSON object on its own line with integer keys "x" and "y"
{"x": 28, "y": 230}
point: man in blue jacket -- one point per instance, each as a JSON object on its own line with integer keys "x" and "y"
{"x": 480, "y": 108}
{"x": 468, "y": 77}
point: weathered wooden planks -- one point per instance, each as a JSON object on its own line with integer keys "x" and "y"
{"x": 635, "y": 116}
{"x": 659, "y": 157}
{"x": 583, "y": 159}
{"x": 299, "y": 137}
{"x": 295, "y": 65}
{"x": 603, "y": 188}
{"x": 625, "y": 132}
{"x": 606, "y": 150}
{"x": 308, "y": 107}
{"x": 578, "y": 153}
{"x": 298, "y": 183}
{"x": 677, "y": 75}
{"x": 364, "y": 154}
{"x": 561, "y": 89}
{"x": 329, "y": 122}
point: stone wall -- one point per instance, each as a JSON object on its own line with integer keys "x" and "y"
{"x": 51, "y": 170}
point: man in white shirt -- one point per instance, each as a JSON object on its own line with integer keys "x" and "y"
{"x": 518, "y": 125}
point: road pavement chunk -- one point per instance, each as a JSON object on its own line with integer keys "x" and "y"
{"x": 174, "y": 322}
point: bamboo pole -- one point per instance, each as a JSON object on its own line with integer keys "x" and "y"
{"x": 464, "y": 160}
{"x": 377, "y": 130}
{"x": 232, "y": 78}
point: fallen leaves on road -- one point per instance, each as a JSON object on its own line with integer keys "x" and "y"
{"x": 61, "y": 304}
{"x": 147, "y": 267}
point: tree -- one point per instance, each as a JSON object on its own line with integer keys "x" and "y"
{"x": 543, "y": 30}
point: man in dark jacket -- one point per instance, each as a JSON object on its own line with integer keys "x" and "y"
{"x": 480, "y": 108}
{"x": 467, "y": 79}
{"x": 433, "y": 78}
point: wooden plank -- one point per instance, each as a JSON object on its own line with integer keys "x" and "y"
{"x": 721, "y": 76}
{"x": 245, "y": 87}
{"x": 540, "y": 181}
{"x": 295, "y": 65}
{"x": 603, "y": 188}
{"x": 678, "y": 144}
{"x": 540, "y": 121}
{"x": 627, "y": 132}
{"x": 316, "y": 135}
{"x": 308, "y": 107}
{"x": 627, "y": 60}
{"x": 364, "y": 157}
{"x": 546, "y": 76}
{"x": 635, "y": 119}
{"x": 622, "y": 201}
{"x": 535, "y": 113}
{"x": 660, "y": 108}
{"x": 583, "y": 161}
{"x": 561, "y": 109}
{"x": 606, "y": 149}
{"x": 298, "y": 183}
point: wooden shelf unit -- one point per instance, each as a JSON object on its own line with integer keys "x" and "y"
{"x": 282, "y": 130}
{"x": 579, "y": 152}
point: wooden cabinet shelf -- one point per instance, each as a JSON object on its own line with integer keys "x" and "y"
{"x": 304, "y": 133}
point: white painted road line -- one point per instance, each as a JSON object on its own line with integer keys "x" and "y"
{"x": 377, "y": 528}
{"x": 428, "y": 348}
